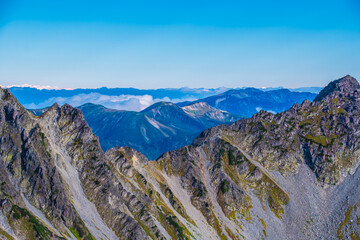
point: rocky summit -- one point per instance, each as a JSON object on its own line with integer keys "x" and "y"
{"x": 291, "y": 175}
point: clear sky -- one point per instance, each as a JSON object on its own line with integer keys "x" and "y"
{"x": 158, "y": 44}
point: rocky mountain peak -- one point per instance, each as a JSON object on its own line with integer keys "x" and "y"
{"x": 160, "y": 105}
{"x": 199, "y": 106}
{"x": 53, "y": 108}
{"x": 6, "y": 95}
{"x": 341, "y": 87}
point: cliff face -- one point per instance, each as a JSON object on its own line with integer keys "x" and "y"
{"x": 56, "y": 181}
{"x": 293, "y": 175}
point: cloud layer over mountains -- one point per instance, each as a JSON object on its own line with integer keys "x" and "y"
{"x": 121, "y": 102}
{"x": 131, "y": 99}
{"x": 116, "y": 98}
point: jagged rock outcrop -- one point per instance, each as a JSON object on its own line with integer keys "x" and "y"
{"x": 292, "y": 175}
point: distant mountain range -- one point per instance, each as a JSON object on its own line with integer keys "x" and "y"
{"x": 300, "y": 89}
{"x": 249, "y": 101}
{"x": 161, "y": 127}
{"x": 117, "y": 98}
{"x": 131, "y": 99}
{"x": 165, "y": 126}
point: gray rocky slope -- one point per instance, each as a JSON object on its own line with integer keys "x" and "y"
{"x": 293, "y": 175}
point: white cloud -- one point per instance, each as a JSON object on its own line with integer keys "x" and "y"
{"x": 121, "y": 102}
{"x": 259, "y": 109}
{"x": 37, "y": 87}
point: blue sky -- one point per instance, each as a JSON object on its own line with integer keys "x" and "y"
{"x": 159, "y": 44}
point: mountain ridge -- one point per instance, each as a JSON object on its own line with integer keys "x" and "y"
{"x": 118, "y": 98}
{"x": 157, "y": 129}
{"x": 248, "y": 101}
{"x": 266, "y": 177}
